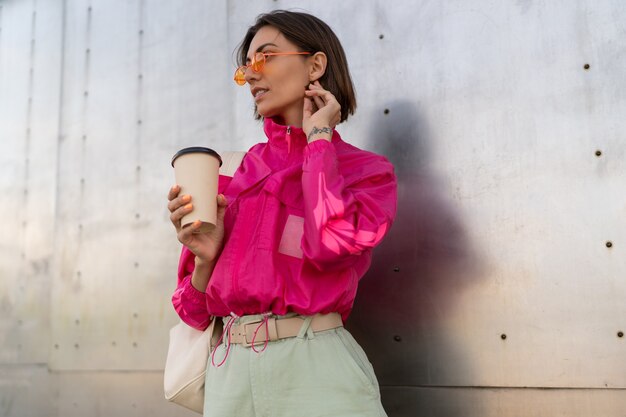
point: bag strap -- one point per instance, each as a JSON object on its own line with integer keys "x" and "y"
{"x": 217, "y": 327}
{"x": 230, "y": 162}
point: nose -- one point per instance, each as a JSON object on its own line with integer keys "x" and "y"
{"x": 250, "y": 74}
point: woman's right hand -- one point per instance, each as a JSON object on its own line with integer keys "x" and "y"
{"x": 206, "y": 246}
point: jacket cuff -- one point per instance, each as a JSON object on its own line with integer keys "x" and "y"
{"x": 192, "y": 292}
{"x": 316, "y": 149}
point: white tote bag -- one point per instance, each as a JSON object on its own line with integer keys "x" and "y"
{"x": 185, "y": 366}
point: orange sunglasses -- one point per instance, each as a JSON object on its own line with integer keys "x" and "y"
{"x": 257, "y": 64}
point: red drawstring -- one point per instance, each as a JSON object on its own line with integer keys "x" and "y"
{"x": 229, "y": 325}
{"x": 226, "y": 330}
{"x": 266, "y": 317}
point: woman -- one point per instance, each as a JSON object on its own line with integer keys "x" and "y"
{"x": 297, "y": 223}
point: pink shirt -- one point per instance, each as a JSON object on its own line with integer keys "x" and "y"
{"x": 301, "y": 222}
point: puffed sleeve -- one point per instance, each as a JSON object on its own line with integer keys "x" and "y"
{"x": 189, "y": 302}
{"x": 344, "y": 218}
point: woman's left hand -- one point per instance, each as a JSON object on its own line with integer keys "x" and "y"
{"x": 321, "y": 113}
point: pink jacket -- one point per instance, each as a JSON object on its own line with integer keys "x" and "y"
{"x": 301, "y": 222}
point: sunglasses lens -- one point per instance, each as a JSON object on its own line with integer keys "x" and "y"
{"x": 258, "y": 62}
{"x": 240, "y": 76}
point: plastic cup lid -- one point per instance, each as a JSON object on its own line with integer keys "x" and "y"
{"x": 195, "y": 149}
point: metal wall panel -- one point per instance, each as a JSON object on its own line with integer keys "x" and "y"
{"x": 496, "y": 282}
{"x": 490, "y": 402}
{"x": 140, "y": 97}
{"x": 35, "y": 392}
{"x": 30, "y": 46}
{"x": 505, "y": 208}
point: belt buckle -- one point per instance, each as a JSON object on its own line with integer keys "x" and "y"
{"x": 259, "y": 340}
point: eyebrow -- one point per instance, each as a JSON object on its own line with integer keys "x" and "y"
{"x": 260, "y": 48}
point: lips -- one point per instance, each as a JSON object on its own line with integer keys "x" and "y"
{"x": 258, "y": 92}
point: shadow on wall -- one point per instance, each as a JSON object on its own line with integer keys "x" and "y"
{"x": 417, "y": 272}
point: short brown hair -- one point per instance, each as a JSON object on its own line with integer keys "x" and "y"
{"x": 309, "y": 34}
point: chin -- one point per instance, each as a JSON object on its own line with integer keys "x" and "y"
{"x": 266, "y": 112}
{"x": 261, "y": 110}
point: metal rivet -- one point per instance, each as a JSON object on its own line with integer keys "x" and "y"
{"x": 620, "y": 334}
{"x": 609, "y": 244}
{"x": 587, "y": 66}
{"x": 386, "y": 111}
{"x": 598, "y": 153}
{"x": 397, "y": 338}
{"x": 503, "y": 336}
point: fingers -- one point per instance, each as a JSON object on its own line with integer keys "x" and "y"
{"x": 221, "y": 200}
{"x": 322, "y": 97}
{"x": 176, "y": 202}
{"x": 221, "y": 208}
{"x": 178, "y": 206}
{"x": 173, "y": 192}
{"x": 318, "y": 102}
{"x": 178, "y": 214}
{"x": 185, "y": 234}
{"x": 307, "y": 110}
{"x": 326, "y": 100}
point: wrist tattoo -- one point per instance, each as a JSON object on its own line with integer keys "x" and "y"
{"x": 316, "y": 130}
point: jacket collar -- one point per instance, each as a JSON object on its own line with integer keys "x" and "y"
{"x": 283, "y": 142}
{"x": 288, "y": 138}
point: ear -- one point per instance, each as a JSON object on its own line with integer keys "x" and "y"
{"x": 317, "y": 66}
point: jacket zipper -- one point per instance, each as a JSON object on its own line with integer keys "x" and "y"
{"x": 288, "y": 140}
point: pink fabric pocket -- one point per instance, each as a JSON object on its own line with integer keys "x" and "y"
{"x": 292, "y": 236}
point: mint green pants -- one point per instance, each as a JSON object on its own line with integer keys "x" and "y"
{"x": 312, "y": 375}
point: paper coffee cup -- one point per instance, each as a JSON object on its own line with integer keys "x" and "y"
{"x": 197, "y": 173}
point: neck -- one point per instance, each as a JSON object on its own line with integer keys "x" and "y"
{"x": 292, "y": 117}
